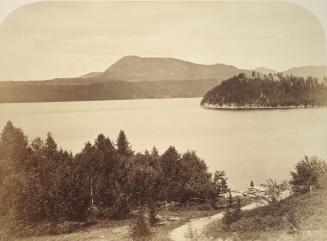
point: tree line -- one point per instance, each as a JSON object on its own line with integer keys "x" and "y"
{"x": 78, "y": 89}
{"x": 270, "y": 90}
{"x": 40, "y": 182}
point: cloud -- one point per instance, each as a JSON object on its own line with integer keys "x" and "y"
{"x": 56, "y": 39}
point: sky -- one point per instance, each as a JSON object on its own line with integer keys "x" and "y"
{"x": 46, "y": 40}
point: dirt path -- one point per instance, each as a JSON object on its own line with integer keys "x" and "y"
{"x": 196, "y": 226}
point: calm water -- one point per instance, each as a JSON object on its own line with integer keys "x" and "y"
{"x": 246, "y": 144}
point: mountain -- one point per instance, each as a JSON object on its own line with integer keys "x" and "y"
{"x": 305, "y": 71}
{"x": 264, "y": 70}
{"x": 131, "y": 77}
{"x": 136, "y": 69}
{"x": 134, "y": 77}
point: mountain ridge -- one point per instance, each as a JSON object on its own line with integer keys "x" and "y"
{"x": 135, "y": 68}
{"x": 132, "y": 77}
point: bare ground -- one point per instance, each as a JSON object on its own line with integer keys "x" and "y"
{"x": 111, "y": 230}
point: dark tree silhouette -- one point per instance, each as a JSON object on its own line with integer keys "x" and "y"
{"x": 267, "y": 91}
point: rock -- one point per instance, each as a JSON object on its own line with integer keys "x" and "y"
{"x": 174, "y": 219}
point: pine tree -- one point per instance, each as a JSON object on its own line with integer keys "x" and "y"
{"x": 122, "y": 143}
{"x": 170, "y": 166}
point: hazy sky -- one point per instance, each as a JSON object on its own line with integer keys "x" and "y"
{"x": 66, "y": 39}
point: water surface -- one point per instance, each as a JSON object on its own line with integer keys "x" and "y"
{"x": 246, "y": 144}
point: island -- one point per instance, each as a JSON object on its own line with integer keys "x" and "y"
{"x": 271, "y": 91}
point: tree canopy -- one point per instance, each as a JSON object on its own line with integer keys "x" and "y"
{"x": 40, "y": 182}
{"x": 267, "y": 91}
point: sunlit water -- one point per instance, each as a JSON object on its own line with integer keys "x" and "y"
{"x": 246, "y": 144}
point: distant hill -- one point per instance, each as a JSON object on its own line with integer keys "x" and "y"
{"x": 136, "y": 69}
{"x": 80, "y": 90}
{"x": 91, "y": 75}
{"x": 305, "y": 71}
{"x": 133, "y": 77}
{"x": 264, "y": 70}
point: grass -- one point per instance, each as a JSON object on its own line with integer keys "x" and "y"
{"x": 299, "y": 217}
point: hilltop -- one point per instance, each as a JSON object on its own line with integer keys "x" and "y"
{"x": 135, "y": 69}
{"x": 305, "y": 71}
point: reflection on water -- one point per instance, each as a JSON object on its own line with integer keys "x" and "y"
{"x": 247, "y": 144}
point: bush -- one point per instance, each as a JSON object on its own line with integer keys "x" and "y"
{"x": 275, "y": 216}
{"x": 233, "y": 215}
{"x": 307, "y": 174}
{"x": 152, "y": 215}
{"x": 255, "y": 223}
{"x": 274, "y": 191}
{"x": 141, "y": 227}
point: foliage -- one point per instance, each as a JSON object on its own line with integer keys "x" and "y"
{"x": 40, "y": 183}
{"x": 141, "y": 227}
{"x": 232, "y": 215}
{"x": 81, "y": 89}
{"x": 307, "y": 173}
{"x": 287, "y": 215}
{"x": 267, "y": 91}
{"x": 274, "y": 191}
{"x": 217, "y": 187}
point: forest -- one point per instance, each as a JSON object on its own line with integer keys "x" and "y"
{"x": 270, "y": 90}
{"x": 78, "y": 89}
{"x": 42, "y": 184}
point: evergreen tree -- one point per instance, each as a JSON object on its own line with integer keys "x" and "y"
{"x": 40, "y": 183}
{"x": 122, "y": 143}
{"x": 240, "y": 91}
{"x": 194, "y": 177}
{"x": 171, "y": 167}
{"x": 217, "y": 188}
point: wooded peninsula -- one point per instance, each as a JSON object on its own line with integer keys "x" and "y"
{"x": 266, "y": 91}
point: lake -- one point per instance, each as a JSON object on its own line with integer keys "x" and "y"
{"x": 248, "y": 145}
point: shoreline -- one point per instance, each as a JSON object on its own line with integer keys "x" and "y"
{"x": 246, "y": 108}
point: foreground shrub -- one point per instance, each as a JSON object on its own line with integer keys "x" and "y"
{"x": 307, "y": 174}
{"x": 275, "y": 216}
{"x": 274, "y": 191}
{"x": 141, "y": 227}
{"x": 233, "y": 215}
{"x": 153, "y": 214}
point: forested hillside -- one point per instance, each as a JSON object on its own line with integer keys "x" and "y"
{"x": 267, "y": 91}
{"x": 80, "y": 89}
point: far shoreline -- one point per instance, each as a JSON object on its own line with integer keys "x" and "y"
{"x": 256, "y": 108}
